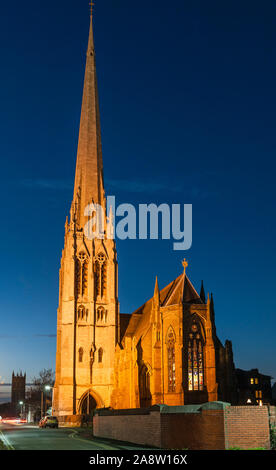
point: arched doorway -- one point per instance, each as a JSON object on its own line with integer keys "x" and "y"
{"x": 88, "y": 402}
{"x": 88, "y": 405}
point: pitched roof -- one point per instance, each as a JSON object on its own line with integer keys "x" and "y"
{"x": 124, "y": 322}
{"x": 178, "y": 291}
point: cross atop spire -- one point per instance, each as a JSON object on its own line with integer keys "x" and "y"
{"x": 185, "y": 265}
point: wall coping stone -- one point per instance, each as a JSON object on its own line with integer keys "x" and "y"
{"x": 128, "y": 411}
{"x": 164, "y": 409}
{"x": 213, "y": 405}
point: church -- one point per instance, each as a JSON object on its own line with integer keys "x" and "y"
{"x": 165, "y": 352}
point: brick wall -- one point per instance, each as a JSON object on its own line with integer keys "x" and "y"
{"x": 247, "y": 427}
{"x": 193, "y": 431}
{"x": 139, "y": 428}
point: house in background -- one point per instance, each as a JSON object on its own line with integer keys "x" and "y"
{"x": 253, "y": 387}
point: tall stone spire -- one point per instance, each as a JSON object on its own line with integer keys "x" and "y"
{"x": 88, "y": 323}
{"x": 156, "y": 296}
{"x": 202, "y": 293}
{"x": 89, "y": 185}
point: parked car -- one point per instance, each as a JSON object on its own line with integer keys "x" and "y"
{"x": 48, "y": 422}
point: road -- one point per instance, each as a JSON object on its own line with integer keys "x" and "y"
{"x": 26, "y": 437}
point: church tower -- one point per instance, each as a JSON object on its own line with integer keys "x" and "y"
{"x": 88, "y": 312}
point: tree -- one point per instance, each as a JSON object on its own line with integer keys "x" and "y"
{"x": 37, "y": 390}
{"x": 45, "y": 377}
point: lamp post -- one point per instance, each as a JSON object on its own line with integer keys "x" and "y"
{"x": 42, "y": 407}
{"x": 48, "y": 387}
{"x": 21, "y": 403}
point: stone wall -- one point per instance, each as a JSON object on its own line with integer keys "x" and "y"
{"x": 70, "y": 421}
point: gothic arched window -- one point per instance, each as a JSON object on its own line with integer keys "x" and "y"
{"x": 100, "y": 355}
{"x": 101, "y": 314}
{"x": 80, "y": 355}
{"x": 144, "y": 386}
{"x": 195, "y": 359}
{"x": 171, "y": 360}
{"x": 100, "y": 275}
{"x": 82, "y": 313}
{"x": 82, "y": 273}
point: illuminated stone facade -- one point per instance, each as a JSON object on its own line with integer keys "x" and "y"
{"x": 167, "y": 351}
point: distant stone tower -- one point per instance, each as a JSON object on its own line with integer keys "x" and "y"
{"x": 88, "y": 313}
{"x": 18, "y": 388}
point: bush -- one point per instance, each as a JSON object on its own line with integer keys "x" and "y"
{"x": 273, "y": 437}
{"x": 2, "y": 446}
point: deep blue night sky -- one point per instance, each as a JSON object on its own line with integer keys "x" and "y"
{"x": 188, "y": 99}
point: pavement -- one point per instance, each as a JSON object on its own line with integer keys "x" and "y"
{"x": 31, "y": 437}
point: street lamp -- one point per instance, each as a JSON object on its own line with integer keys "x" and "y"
{"x": 48, "y": 387}
{"x": 21, "y": 403}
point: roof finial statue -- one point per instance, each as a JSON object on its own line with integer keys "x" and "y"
{"x": 185, "y": 265}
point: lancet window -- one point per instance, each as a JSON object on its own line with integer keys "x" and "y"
{"x": 101, "y": 315}
{"x": 171, "y": 360}
{"x": 100, "y": 355}
{"x": 82, "y": 313}
{"x": 82, "y": 274}
{"x": 195, "y": 359}
{"x": 80, "y": 355}
{"x": 100, "y": 275}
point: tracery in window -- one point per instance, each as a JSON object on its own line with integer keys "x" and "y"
{"x": 100, "y": 275}
{"x": 101, "y": 315}
{"x": 195, "y": 359}
{"x": 82, "y": 273}
{"x": 171, "y": 360}
{"x": 82, "y": 313}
